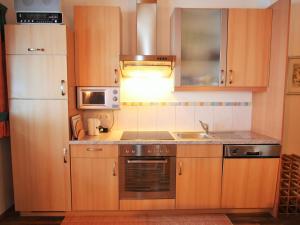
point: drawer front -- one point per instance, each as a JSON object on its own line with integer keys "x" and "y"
{"x": 45, "y": 76}
{"x": 94, "y": 151}
{"x": 35, "y": 39}
{"x": 199, "y": 151}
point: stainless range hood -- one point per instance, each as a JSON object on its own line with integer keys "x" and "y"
{"x": 146, "y": 62}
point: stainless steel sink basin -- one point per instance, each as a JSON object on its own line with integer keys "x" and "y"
{"x": 192, "y": 135}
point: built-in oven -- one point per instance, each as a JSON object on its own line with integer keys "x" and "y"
{"x": 98, "y": 97}
{"x": 147, "y": 171}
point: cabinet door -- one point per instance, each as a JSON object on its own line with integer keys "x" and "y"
{"x": 45, "y": 76}
{"x": 36, "y": 39}
{"x": 249, "y": 183}
{"x": 95, "y": 184}
{"x": 97, "y": 45}
{"x": 39, "y": 136}
{"x": 199, "y": 42}
{"x": 249, "y": 46}
{"x": 198, "y": 183}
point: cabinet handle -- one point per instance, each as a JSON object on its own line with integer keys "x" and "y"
{"x": 116, "y": 76}
{"x": 62, "y": 87}
{"x": 94, "y": 149}
{"x": 114, "y": 169}
{"x": 65, "y": 155}
{"x": 222, "y": 76}
{"x": 35, "y": 49}
{"x": 180, "y": 169}
{"x": 231, "y": 76}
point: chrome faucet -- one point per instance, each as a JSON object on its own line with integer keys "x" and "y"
{"x": 204, "y": 126}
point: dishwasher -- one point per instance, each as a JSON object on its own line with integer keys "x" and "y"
{"x": 250, "y": 174}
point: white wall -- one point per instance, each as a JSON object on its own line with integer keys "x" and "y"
{"x": 6, "y": 189}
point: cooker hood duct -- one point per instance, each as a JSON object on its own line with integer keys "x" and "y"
{"x": 146, "y": 61}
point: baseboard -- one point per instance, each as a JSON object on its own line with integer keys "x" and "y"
{"x": 146, "y": 212}
{"x": 8, "y": 212}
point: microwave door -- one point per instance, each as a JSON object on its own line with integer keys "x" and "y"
{"x": 95, "y": 99}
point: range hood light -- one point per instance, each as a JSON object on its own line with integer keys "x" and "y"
{"x": 142, "y": 65}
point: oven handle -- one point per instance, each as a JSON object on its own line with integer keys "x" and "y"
{"x": 165, "y": 161}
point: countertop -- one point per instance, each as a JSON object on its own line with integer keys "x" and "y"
{"x": 235, "y": 137}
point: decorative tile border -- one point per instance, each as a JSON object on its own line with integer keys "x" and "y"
{"x": 186, "y": 103}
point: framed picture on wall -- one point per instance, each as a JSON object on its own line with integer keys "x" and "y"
{"x": 293, "y": 80}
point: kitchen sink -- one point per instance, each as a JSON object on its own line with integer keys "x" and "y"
{"x": 192, "y": 135}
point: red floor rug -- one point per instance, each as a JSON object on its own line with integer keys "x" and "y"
{"x": 213, "y": 219}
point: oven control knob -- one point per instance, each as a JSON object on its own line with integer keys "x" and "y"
{"x": 127, "y": 151}
{"x": 115, "y": 92}
{"x": 133, "y": 151}
{"x": 115, "y": 99}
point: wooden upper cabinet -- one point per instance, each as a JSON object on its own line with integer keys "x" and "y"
{"x": 223, "y": 50}
{"x": 249, "y": 46}
{"x": 97, "y": 45}
{"x": 249, "y": 183}
{"x": 36, "y": 39}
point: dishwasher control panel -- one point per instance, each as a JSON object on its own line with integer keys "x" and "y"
{"x": 252, "y": 151}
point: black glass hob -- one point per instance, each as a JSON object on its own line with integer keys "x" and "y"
{"x": 146, "y": 135}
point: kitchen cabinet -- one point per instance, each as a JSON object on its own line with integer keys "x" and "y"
{"x": 95, "y": 183}
{"x": 43, "y": 77}
{"x": 200, "y": 48}
{"x": 249, "y": 183}
{"x": 249, "y": 47}
{"x": 198, "y": 179}
{"x": 97, "y": 45}
{"x": 39, "y": 137}
{"x": 41, "y": 90}
{"x": 35, "y": 39}
{"x": 226, "y": 50}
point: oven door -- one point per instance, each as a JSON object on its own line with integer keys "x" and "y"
{"x": 89, "y": 98}
{"x": 151, "y": 177}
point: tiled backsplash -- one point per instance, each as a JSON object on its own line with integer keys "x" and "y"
{"x": 223, "y": 111}
{"x": 219, "y": 118}
{"x": 225, "y": 116}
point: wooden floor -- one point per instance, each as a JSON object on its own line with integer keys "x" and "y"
{"x": 237, "y": 219}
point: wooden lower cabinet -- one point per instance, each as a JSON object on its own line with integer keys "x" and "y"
{"x": 94, "y": 181}
{"x": 249, "y": 183}
{"x": 198, "y": 183}
{"x": 39, "y": 135}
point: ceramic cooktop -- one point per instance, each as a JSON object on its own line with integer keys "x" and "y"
{"x": 146, "y": 135}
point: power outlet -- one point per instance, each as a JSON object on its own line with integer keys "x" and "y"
{"x": 106, "y": 119}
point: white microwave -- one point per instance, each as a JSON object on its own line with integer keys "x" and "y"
{"x": 98, "y": 97}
